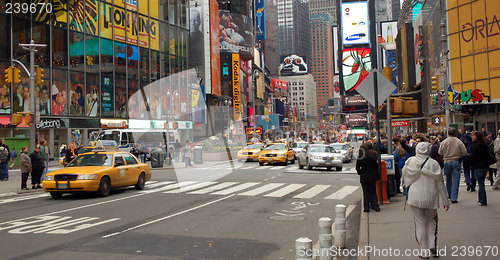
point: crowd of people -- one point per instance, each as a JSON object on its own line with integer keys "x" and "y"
{"x": 429, "y": 166}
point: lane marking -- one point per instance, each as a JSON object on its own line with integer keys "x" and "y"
{"x": 213, "y": 188}
{"x": 21, "y": 198}
{"x": 236, "y": 188}
{"x": 170, "y": 187}
{"x": 342, "y": 193}
{"x": 192, "y": 187}
{"x": 167, "y": 217}
{"x": 262, "y": 189}
{"x": 312, "y": 192}
{"x": 284, "y": 191}
{"x": 158, "y": 184}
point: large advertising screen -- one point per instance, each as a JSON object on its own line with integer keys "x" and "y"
{"x": 356, "y": 65}
{"x": 236, "y": 33}
{"x": 260, "y": 19}
{"x": 293, "y": 65}
{"x": 357, "y": 120}
{"x": 215, "y": 48}
{"x": 335, "y": 50}
{"x": 195, "y": 36}
{"x": 355, "y": 27}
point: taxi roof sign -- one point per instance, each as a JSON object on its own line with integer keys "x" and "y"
{"x": 105, "y": 145}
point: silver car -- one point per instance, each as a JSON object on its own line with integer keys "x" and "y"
{"x": 297, "y": 147}
{"x": 319, "y": 155}
{"x": 344, "y": 150}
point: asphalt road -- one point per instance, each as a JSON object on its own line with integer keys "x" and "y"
{"x": 227, "y": 211}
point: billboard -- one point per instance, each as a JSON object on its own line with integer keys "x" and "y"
{"x": 293, "y": 65}
{"x": 260, "y": 19}
{"x": 357, "y": 120}
{"x": 196, "y": 36}
{"x": 355, "y": 27}
{"x": 215, "y": 49}
{"x": 235, "y": 72}
{"x": 356, "y": 65}
{"x": 352, "y": 101}
{"x": 236, "y": 33}
{"x": 335, "y": 51}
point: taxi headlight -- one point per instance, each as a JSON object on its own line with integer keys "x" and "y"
{"x": 88, "y": 177}
{"x": 240, "y": 153}
{"x": 315, "y": 157}
{"x": 48, "y": 178}
{"x": 281, "y": 155}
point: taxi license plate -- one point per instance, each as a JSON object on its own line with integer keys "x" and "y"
{"x": 328, "y": 162}
{"x": 63, "y": 186}
{"x": 269, "y": 159}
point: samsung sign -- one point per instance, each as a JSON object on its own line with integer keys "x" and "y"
{"x": 355, "y": 27}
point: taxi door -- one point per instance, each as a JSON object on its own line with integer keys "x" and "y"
{"x": 119, "y": 171}
{"x": 132, "y": 171}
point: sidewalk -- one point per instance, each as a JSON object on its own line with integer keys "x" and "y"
{"x": 465, "y": 225}
{"x": 12, "y": 187}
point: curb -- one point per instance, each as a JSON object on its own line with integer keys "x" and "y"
{"x": 364, "y": 234}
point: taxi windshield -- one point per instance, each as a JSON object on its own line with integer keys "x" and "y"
{"x": 276, "y": 147}
{"x": 85, "y": 150}
{"x": 299, "y": 145}
{"x": 339, "y": 147}
{"x": 322, "y": 149}
{"x": 92, "y": 160}
{"x": 252, "y": 146}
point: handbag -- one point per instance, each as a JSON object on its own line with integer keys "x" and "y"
{"x": 408, "y": 188}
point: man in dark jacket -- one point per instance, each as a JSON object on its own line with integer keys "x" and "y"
{"x": 37, "y": 167}
{"x": 367, "y": 168}
{"x": 470, "y": 180}
{"x": 4, "y": 166}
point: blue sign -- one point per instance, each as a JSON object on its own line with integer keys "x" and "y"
{"x": 260, "y": 20}
{"x": 389, "y": 163}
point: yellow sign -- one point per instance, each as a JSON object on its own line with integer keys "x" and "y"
{"x": 236, "y": 87}
{"x": 474, "y": 36}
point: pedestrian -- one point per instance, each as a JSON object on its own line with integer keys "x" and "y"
{"x": 424, "y": 181}
{"x": 496, "y": 181}
{"x": 13, "y": 156}
{"x": 4, "y": 161}
{"x": 479, "y": 159}
{"x": 452, "y": 150}
{"x": 45, "y": 155}
{"x": 71, "y": 153}
{"x": 367, "y": 168}
{"x": 143, "y": 151}
{"x": 26, "y": 168}
{"x": 434, "y": 151}
{"x": 37, "y": 165}
{"x": 400, "y": 157}
{"x": 187, "y": 153}
{"x": 135, "y": 151}
{"x": 177, "y": 150}
{"x": 470, "y": 179}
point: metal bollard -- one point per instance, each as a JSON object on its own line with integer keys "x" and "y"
{"x": 303, "y": 249}
{"x": 340, "y": 232}
{"x": 325, "y": 237}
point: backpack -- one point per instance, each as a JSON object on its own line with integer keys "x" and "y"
{"x": 4, "y": 154}
{"x": 491, "y": 155}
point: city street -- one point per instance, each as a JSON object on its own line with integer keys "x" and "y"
{"x": 210, "y": 211}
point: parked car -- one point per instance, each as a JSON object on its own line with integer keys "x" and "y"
{"x": 320, "y": 155}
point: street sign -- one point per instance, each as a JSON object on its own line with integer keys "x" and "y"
{"x": 343, "y": 127}
{"x": 385, "y": 88}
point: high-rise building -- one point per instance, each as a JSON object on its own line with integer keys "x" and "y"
{"x": 293, "y": 27}
{"x": 302, "y": 93}
{"x": 323, "y": 7}
{"x": 321, "y": 62}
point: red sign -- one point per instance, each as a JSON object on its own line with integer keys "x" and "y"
{"x": 400, "y": 123}
{"x": 343, "y": 127}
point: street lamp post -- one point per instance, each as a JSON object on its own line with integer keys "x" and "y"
{"x": 170, "y": 115}
{"x": 307, "y": 120}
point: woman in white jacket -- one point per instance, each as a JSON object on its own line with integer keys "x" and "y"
{"x": 423, "y": 177}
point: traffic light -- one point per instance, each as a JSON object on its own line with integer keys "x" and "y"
{"x": 16, "y": 78}
{"x": 8, "y": 75}
{"x": 435, "y": 83}
{"x": 39, "y": 75}
{"x": 331, "y": 117}
{"x": 17, "y": 119}
{"x": 388, "y": 73}
{"x": 398, "y": 106}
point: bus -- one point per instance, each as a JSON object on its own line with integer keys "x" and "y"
{"x": 153, "y": 138}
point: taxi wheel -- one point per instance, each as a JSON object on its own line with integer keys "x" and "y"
{"x": 261, "y": 163}
{"x": 338, "y": 168}
{"x": 56, "y": 195}
{"x": 329, "y": 168}
{"x": 286, "y": 161}
{"x": 141, "y": 182}
{"x": 300, "y": 165}
{"x": 293, "y": 161}
{"x": 104, "y": 187}
{"x": 309, "y": 167}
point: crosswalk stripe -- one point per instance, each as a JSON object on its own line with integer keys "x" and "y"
{"x": 285, "y": 190}
{"x": 192, "y": 187}
{"x": 236, "y": 188}
{"x": 170, "y": 187}
{"x": 213, "y": 188}
{"x": 262, "y": 189}
{"x": 157, "y": 184}
{"x": 265, "y": 167}
{"x": 312, "y": 192}
{"x": 13, "y": 199}
{"x": 342, "y": 193}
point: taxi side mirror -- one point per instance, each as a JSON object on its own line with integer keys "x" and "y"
{"x": 118, "y": 164}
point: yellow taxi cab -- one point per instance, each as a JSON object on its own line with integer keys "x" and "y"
{"x": 249, "y": 152}
{"x": 277, "y": 153}
{"x": 98, "y": 171}
{"x": 82, "y": 150}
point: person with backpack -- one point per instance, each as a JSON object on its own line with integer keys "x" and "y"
{"x": 479, "y": 158}
{"x": 13, "y": 156}
{"x": 470, "y": 180}
{"x": 4, "y": 161}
